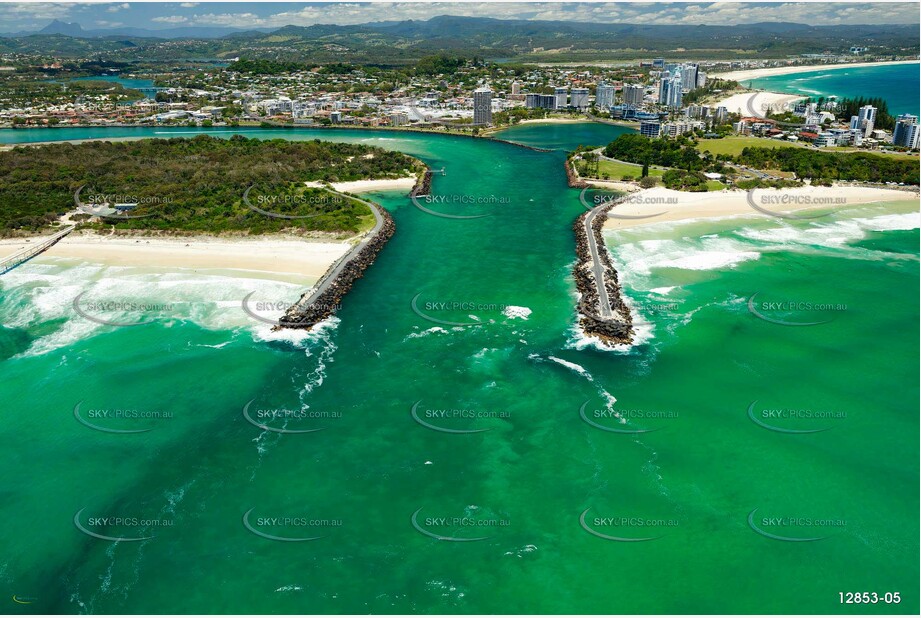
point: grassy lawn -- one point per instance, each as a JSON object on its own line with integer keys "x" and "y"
{"x": 733, "y": 145}
{"x": 617, "y": 169}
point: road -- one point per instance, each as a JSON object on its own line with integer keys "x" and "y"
{"x": 333, "y": 273}
{"x": 597, "y": 265}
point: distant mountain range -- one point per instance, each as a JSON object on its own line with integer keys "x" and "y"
{"x": 401, "y": 42}
{"x": 74, "y": 29}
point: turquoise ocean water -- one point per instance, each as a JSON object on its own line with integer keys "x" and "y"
{"x": 714, "y": 465}
{"x": 898, "y": 84}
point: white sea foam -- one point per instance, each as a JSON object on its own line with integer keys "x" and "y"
{"x": 710, "y": 260}
{"x": 643, "y": 333}
{"x": 833, "y": 233}
{"x": 883, "y": 223}
{"x": 517, "y": 312}
{"x": 425, "y": 333}
{"x": 582, "y": 371}
{"x": 45, "y": 290}
{"x": 642, "y": 257}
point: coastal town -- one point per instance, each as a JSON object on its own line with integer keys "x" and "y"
{"x": 658, "y": 98}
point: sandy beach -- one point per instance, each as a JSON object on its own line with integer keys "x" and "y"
{"x": 283, "y": 258}
{"x": 613, "y": 185}
{"x": 362, "y": 186}
{"x": 683, "y": 206}
{"x": 758, "y": 103}
{"x": 292, "y": 260}
{"x": 745, "y": 74}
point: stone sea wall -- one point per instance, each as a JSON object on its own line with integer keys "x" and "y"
{"x": 618, "y": 330}
{"x": 308, "y": 312}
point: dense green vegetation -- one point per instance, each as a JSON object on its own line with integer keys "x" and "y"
{"x": 439, "y": 64}
{"x": 683, "y": 154}
{"x": 713, "y": 86}
{"x": 845, "y": 108}
{"x": 193, "y": 185}
{"x": 851, "y": 107}
{"x": 682, "y": 180}
{"x": 266, "y": 67}
{"x": 680, "y": 152}
{"x": 815, "y": 164}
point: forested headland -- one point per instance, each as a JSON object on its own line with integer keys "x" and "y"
{"x": 193, "y": 185}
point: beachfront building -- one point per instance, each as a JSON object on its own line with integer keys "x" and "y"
{"x": 864, "y": 120}
{"x": 540, "y": 101}
{"x": 906, "y": 132}
{"x": 650, "y": 128}
{"x": 604, "y": 96}
{"x": 633, "y": 95}
{"x": 579, "y": 98}
{"x": 698, "y": 111}
{"x": 674, "y": 129}
{"x": 561, "y": 97}
{"x": 398, "y": 119}
{"x": 482, "y": 106}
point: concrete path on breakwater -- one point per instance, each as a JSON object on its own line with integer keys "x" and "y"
{"x": 333, "y": 273}
{"x": 606, "y": 313}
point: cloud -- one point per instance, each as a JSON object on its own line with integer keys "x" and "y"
{"x": 699, "y": 13}
{"x": 171, "y": 19}
{"x": 15, "y": 16}
{"x": 238, "y": 20}
{"x": 30, "y": 11}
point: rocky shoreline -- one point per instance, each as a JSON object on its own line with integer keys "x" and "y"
{"x": 308, "y": 311}
{"x": 572, "y": 177}
{"x": 618, "y": 330}
{"x": 423, "y": 185}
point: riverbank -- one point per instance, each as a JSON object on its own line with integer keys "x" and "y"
{"x": 746, "y": 74}
{"x": 165, "y": 132}
{"x": 550, "y": 120}
{"x": 662, "y": 205}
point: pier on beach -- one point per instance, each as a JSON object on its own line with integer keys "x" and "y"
{"x": 21, "y": 257}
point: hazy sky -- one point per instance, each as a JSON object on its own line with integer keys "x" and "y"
{"x": 155, "y": 15}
